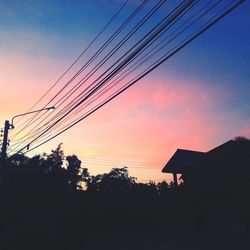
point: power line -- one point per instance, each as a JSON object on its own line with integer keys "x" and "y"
{"x": 150, "y": 69}
{"x": 150, "y": 13}
{"x": 70, "y": 67}
{"x": 79, "y": 84}
{"x": 119, "y": 161}
{"x": 147, "y": 167}
{"x": 156, "y": 33}
{"x": 117, "y": 166}
{"x": 121, "y": 66}
{"x": 138, "y": 9}
{"x": 154, "y": 180}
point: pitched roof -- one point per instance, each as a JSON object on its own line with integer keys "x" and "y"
{"x": 182, "y": 159}
{"x": 225, "y": 146}
{"x": 231, "y": 156}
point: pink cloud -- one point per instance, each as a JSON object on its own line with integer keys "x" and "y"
{"x": 151, "y": 121}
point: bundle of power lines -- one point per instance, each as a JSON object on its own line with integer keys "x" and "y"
{"x": 130, "y": 46}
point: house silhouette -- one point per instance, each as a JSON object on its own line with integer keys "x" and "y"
{"x": 224, "y": 169}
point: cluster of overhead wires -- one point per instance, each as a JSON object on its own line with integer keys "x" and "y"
{"x": 93, "y": 162}
{"x": 148, "y": 168}
{"x": 133, "y": 43}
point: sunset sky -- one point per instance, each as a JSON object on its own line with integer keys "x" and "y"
{"x": 197, "y": 100}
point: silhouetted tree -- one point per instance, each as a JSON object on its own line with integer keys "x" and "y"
{"x": 18, "y": 160}
{"x": 54, "y": 160}
{"x": 163, "y": 187}
{"x": 242, "y": 140}
{"x": 116, "y": 180}
{"x": 85, "y": 178}
{"x": 73, "y": 171}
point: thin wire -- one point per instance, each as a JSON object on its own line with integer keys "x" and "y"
{"x": 137, "y": 64}
{"x": 152, "y": 68}
{"x": 123, "y": 64}
{"x": 78, "y": 58}
{"x": 102, "y": 62}
{"x": 154, "y": 34}
{"x": 155, "y": 180}
{"x": 119, "y": 161}
{"x": 127, "y": 165}
{"x": 105, "y": 89}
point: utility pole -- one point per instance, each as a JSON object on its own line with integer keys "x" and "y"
{"x": 8, "y": 126}
{"x": 5, "y": 142}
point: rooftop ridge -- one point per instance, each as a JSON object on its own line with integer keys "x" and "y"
{"x": 182, "y": 149}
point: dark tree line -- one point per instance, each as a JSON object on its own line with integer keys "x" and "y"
{"x": 42, "y": 172}
{"x": 50, "y": 201}
{"x": 57, "y": 172}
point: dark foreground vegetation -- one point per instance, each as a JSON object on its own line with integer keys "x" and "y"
{"x": 43, "y": 207}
